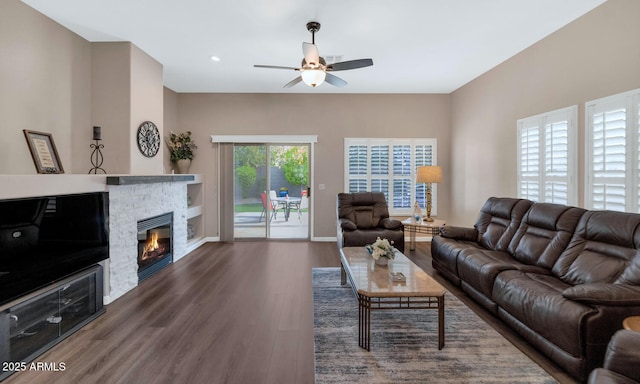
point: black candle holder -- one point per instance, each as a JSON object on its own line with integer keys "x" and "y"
{"x": 96, "y": 158}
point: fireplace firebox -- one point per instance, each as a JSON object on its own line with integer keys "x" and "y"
{"x": 155, "y": 244}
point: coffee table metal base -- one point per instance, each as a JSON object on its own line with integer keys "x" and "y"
{"x": 366, "y": 304}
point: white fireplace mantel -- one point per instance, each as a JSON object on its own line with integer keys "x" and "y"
{"x": 21, "y": 186}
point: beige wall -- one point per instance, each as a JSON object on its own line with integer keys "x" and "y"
{"x": 126, "y": 91}
{"x": 147, "y": 95}
{"x": 111, "y": 102}
{"x": 52, "y": 80}
{"x": 170, "y": 117}
{"x": 45, "y": 85}
{"x": 595, "y": 56}
{"x": 330, "y": 117}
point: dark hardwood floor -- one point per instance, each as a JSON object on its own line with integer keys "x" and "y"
{"x": 226, "y": 313}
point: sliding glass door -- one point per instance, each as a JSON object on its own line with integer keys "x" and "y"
{"x": 270, "y": 191}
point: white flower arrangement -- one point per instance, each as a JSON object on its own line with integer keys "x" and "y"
{"x": 382, "y": 248}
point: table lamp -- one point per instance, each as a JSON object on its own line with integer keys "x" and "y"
{"x": 429, "y": 174}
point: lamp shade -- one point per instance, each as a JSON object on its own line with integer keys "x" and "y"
{"x": 429, "y": 174}
{"x": 313, "y": 77}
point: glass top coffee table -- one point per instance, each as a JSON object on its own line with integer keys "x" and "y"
{"x": 375, "y": 289}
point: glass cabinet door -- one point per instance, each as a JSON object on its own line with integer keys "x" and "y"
{"x": 77, "y": 302}
{"x": 32, "y": 325}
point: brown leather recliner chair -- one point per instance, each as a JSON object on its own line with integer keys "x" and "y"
{"x": 363, "y": 217}
{"x": 621, "y": 362}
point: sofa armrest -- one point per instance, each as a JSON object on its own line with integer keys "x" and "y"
{"x": 388, "y": 223}
{"x": 347, "y": 225}
{"x": 604, "y": 294}
{"x": 459, "y": 233}
{"x": 623, "y": 354}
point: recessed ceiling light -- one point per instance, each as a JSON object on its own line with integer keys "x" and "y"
{"x": 215, "y": 58}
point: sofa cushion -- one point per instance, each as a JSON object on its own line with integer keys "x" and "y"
{"x": 364, "y": 217}
{"x": 602, "y": 247}
{"x": 498, "y": 221}
{"x": 631, "y": 274}
{"x": 347, "y": 225}
{"x": 604, "y": 376}
{"x": 445, "y": 253}
{"x": 623, "y": 354}
{"x": 618, "y": 295}
{"x": 479, "y": 268}
{"x": 359, "y": 237}
{"x": 459, "y": 233}
{"x": 537, "y": 301}
{"x": 387, "y": 223}
{"x": 544, "y": 233}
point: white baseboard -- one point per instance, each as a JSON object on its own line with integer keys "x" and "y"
{"x": 324, "y": 239}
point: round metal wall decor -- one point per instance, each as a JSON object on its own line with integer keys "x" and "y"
{"x": 148, "y": 139}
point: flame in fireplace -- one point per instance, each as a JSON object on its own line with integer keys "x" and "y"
{"x": 151, "y": 245}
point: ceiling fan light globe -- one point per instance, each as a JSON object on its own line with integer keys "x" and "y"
{"x": 313, "y": 77}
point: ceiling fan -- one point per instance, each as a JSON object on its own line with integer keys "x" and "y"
{"x": 314, "y": 69}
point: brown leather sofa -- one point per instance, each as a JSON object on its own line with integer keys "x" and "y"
{"x": 621, "y": 362}
{"x": 562, "y": 277}
{"x": 363, "y": 217}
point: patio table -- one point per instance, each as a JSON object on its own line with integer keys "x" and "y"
{"x": 287, "y": 203}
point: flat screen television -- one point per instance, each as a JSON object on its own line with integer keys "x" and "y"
{"x": 45, "y": 239}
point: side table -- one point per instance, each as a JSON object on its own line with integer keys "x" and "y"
{"x": 632, "y": 323}
{"x": 428, "y": 227}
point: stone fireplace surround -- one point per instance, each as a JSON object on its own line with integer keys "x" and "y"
{"x": 131, "y": 198}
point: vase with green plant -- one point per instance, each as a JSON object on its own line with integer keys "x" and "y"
{"x": 182, "y": 149}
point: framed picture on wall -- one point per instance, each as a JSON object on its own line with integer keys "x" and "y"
{"x": 43, "y": 151}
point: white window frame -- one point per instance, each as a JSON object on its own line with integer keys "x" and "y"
{"x": 545, "y": 174}
{"x": 629, "y": 178}
{"x": 367, "y": 176}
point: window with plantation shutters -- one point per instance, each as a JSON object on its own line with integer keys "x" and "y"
{"x": 357, "y": 160}
{"x": 424, "y": 155}
{"x": 547, "y": 152}
{"x": 613, "y": 153}
{"x": 389, "y": 166}
{"x": 529, "y": 160}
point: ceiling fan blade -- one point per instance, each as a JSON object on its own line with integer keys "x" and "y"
{"x": 335, "y": 80}
{"x": 311, "y": 54}
{"x": 275, "y": 67}
{"x": 351, "y": 64}
{"x": 293, "y": 82}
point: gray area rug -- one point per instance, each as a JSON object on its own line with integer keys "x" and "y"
{"x": 404, "y": 344}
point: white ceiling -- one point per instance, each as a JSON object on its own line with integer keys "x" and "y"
{"x": 417, "y": 46}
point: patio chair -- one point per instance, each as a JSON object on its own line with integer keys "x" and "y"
{"x": 274, "y": 207}
{"x": 304, "y": 204}
{"x": 277, "y": 200}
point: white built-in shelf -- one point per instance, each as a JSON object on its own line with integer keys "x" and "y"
{"x": 195, "y": 212}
